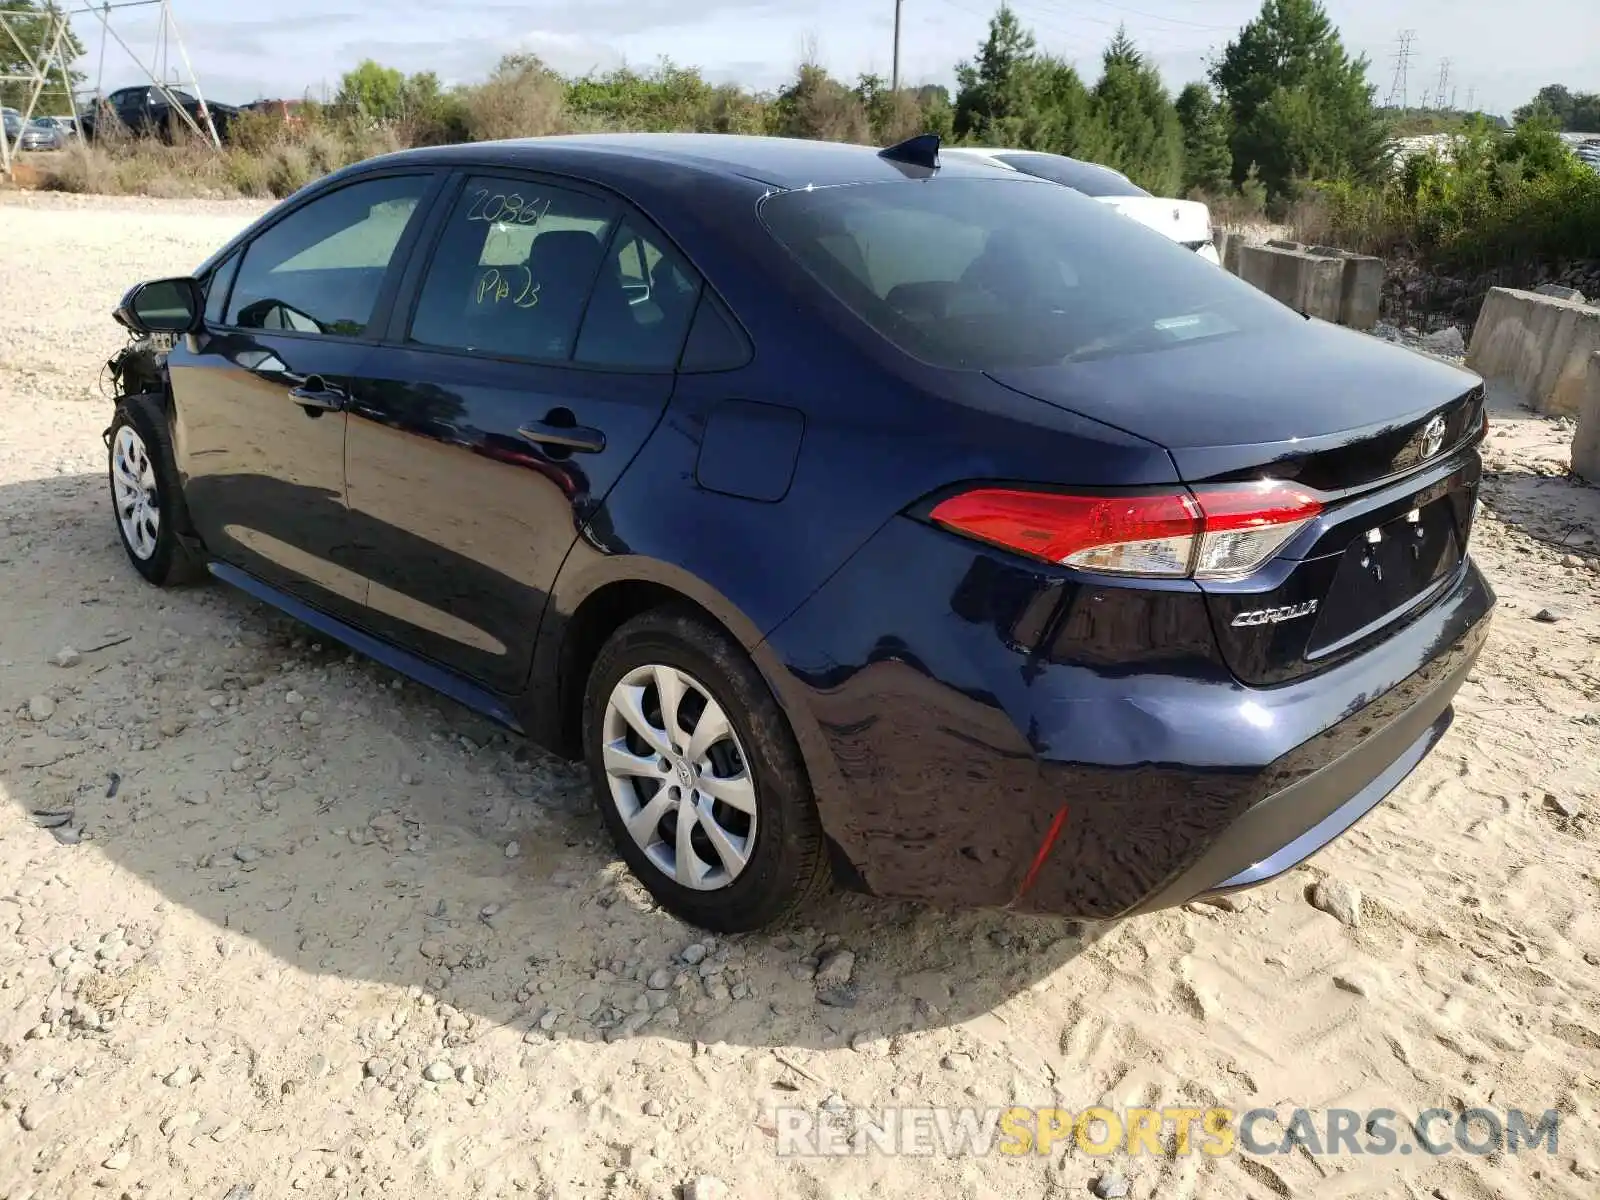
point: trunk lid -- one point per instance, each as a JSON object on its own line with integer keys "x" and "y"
{"x": 1386, "y": 437}
{"x": 1185, "y": 221}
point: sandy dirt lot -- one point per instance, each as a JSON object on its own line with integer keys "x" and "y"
{"x": 310, "y": 930}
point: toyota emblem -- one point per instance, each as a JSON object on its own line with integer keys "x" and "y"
{"x": 1432, "y": 437}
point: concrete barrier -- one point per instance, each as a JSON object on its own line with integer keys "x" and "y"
{"x": 1228, "y": 246}
{"x": 1586, "y": 442}
{"x": 1360, "y": 281}
{"x": 1307, "y": 283}
{"x": 1362, "y": 293}
{"x": 1539, "y": 346}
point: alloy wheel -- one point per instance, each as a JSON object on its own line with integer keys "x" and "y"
{"x": 679, "y": 777}
{"x": 134, "y": 491}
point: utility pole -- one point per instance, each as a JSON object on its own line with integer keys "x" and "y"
{"x": 1444, "y": 83}
{"x": 894, "y": 77}
{"x": 1402, "y": 65}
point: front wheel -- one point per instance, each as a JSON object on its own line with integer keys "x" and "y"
{"x": 146, "y": 495}
{"x": 698, "y": 775}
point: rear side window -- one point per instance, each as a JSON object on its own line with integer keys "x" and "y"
{"x": 320, "y": 269}
{"x": 1083, "y": 177}
{"x": 715, "y": 342}
{"x": 513, "y": 270}
{"x": 989, "y": 274}
{"x": 643, "y": 302}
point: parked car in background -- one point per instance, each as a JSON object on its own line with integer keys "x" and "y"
{"x": 1187, "y": 222}
{"x": 66, "y": 126}
{"x": 11, "y": 122}
{"x": 876, "y": 514}
{"x": 148, "y": 112}
{"x": 287, "y": 111}
{"x": 41, "y": 134}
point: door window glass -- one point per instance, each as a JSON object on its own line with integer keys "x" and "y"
{"x": 643, "y": 303}
{"x": 513, "y": 269}
{"x": 319, "y": 270}
{"x": 217, "y": 290}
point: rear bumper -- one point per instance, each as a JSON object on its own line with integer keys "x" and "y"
{"x": 1282, "y": 831}
{"x": 1283, "y": 813}
{"x": 983, "y": 733}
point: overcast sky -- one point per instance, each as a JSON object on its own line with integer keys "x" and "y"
{"x": 1500, "y": 52}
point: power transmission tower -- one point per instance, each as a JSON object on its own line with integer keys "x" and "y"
{"x": 49, "y": 57}
{"x": 1444, "y": 84}
{"x": 163, "y": 74}
{"x": 894, "y": 76}
{"x": 1402, "y": 67}
{"x": 1472, "y": 94}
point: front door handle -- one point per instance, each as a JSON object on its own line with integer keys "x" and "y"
{"x": 316, "y": 397}
{"x": 569, "y": 437}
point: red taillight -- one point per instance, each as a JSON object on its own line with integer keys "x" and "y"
{"x": 1211, "y": 533}
{"x": 1132, "y": 535}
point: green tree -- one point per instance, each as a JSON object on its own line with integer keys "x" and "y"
{"x": 1302, "y": 107}
{"x": 1207, "y": 156}
{"x": 1575, "y": 112}
{"x": 1143, "y": 136}
{"x": 373, "y": 90}
{"x": 1062, "y": 116}
{"x": 937, "y": 109}
{"x": 34, "y": 28}
{"x": 993, "y": 100}
{"x": 816, "y": 105}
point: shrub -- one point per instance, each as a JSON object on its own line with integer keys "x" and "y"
{"x": 1490, "y": 200}
{"x": 256, "y": 132}
{"x": 522, "y": 98}
{"x": 288, "y": 169}
{"x": 78, "y": 168}
{"x": 246, "y": 173}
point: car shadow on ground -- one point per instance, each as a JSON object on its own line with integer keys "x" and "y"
{"x": 353, "y": 824}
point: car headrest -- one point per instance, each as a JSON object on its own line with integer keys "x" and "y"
{"x": 565, "y": 256}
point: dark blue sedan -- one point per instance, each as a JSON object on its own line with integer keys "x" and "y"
{"x": 931, "y": 529}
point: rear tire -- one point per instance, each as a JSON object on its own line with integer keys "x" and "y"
{"x": 146, "y": 494}
{"x": 679, "y": 727}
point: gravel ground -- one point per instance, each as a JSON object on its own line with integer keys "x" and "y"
{"x": 302, "y": 928}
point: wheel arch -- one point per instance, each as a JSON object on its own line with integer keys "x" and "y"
{"x": 589, "y": 606}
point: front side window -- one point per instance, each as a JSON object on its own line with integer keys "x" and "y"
{"x": 990, "y": 274}
{"x": 320, "y": 269}
{"x": 513, "y": 270}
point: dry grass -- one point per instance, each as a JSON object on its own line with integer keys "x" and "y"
{"x": 268, "y": 157}
{"x": 274, "y": 163}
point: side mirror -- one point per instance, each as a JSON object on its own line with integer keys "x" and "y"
{"x": 162, "y": 306}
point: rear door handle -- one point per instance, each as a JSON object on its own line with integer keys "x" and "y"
{"x": 315, "y": 396}
{"x": 570, "y": 437}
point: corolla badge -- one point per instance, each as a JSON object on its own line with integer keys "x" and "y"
{"x": 1274, "y": 616}
{"x": 1432, "y": 437}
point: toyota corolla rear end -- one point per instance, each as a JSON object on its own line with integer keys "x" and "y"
{"x": 1054, "y": 690}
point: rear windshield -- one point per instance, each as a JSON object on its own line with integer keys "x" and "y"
{"x": 990, "y": 274}
{"x": 1080, "y": 176}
